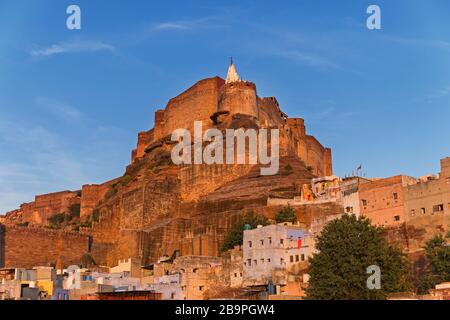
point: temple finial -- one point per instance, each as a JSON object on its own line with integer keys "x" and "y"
{"x": 232, "y": 75}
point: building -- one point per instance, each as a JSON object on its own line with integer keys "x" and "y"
{"x": 132, "y": 266}
{"x": 441, "y": 291}
{"x": 383, "y": 200}
{"x": 270, "y": 253}
{"x": 430, "y": 196}
{"x": 350, "y": 197}
{"x": 169, "y": 286}
{"x": 128, "y": 295}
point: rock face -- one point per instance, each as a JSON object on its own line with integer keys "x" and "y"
{"x": 157, "y": 207}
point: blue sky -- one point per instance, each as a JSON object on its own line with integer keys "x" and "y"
{"x": 72, "y": 102}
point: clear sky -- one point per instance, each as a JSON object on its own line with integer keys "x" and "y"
{"x": 72, "y": 102}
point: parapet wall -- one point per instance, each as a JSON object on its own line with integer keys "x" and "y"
{"x": 30, "y": 247}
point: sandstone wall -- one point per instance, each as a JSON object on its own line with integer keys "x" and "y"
{"x": 91, "y": 195}
{"x": 44, "y": 206}
{"x": 30, "y": 247}
{"x": 198, "y": 180}
{"x": 239, "y": 98}
{"x": 144, "y": 140}
{"x": 197, "y": 103}
{"x": 270, "y": 114}
{"x": 317, "y": 157}
{"x": 382, "y": 201}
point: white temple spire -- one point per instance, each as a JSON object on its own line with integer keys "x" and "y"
{"x": 232, "y": 75}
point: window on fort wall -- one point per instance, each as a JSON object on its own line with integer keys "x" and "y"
{"x": 423, "y": 211}
{"x": 364, "y": 202}
{"x": 395, "y": 196}
{"x": 397, "y": 218}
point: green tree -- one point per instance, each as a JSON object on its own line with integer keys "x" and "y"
{"x": 437, "y": 253}
{"x": 287, "y": 214}
{"x": 346, "y": 248}
{"x": 235, "y": 235}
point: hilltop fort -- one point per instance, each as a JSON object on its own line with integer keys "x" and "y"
{"x": 157, "y": 208}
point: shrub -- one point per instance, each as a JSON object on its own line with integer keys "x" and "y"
{"x": 235, "y": 235}
{"x": 126, "y": 179}
{"x": 287, "y": 214}
{"x": 56, "y": 220}
{"x": 74, "y": 211}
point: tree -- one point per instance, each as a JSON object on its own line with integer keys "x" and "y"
{"x": 287, "y": 214}
{"x": 235, "y": 235}
{"x": 437, "y": 253}
{"x": 347, "y": 247}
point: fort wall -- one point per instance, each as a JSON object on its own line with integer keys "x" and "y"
{"x": 30, "y": 247}
{"x": 197, "y": 103}
{"x": 239, "y": 98}
{"x": 91, "y": 195}
{"x": 43, "y": 207}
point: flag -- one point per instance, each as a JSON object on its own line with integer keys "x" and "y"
{"x": 360, "y": 167}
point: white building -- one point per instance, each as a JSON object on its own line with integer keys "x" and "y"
{"x": 169, "y": 286}
{"x": 270, "y": 251}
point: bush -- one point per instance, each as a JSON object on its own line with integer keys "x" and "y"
{"x": 23, "y": 224}
{"x": 95, "y": 215}
{"x": 110, "y": 193}
{"x": 235, "y": 235}
{"x": 126, "y": 179}
{"x": 286, "y": 215}
{"x": 74, "y": 211}
{"x": 56, "y": 220}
